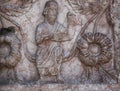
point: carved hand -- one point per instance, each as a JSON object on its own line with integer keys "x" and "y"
{"x": 47, "y": 36}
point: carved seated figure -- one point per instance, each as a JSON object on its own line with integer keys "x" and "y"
{"x": 9, "y": 54}
{"x": 49, "y": 34}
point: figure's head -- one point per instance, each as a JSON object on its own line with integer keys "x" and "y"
{"x": 50, "y": 11}
{"x": 71, "y": 19}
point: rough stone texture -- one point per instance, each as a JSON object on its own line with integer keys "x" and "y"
{"x": 60, "y": 87}
{"x": 79, "y": 14}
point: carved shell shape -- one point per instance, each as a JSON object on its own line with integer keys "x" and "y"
{"x": 9, "y": 50}
{"x": 98, "y": 51}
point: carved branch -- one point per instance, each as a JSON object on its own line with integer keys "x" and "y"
{"x": 19, "y": 8}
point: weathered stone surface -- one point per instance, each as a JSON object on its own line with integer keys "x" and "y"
{"x": 73, "y": 42}
{"x": 60, "y": 87}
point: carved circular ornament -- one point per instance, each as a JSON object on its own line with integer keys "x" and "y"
{"x": 9, "y": 50}
{"x": 95, "y": 49}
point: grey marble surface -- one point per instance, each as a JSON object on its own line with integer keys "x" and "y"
{"x": 86, "y": 59}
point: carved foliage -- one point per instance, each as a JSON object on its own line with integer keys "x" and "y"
{"x": 15, "y": 8}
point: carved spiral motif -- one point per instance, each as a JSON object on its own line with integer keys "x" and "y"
{"x": 9, "y": 50}
{"x": 95, "y": 49}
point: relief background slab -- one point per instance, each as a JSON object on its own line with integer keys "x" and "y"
{"x": 26, "y": 71}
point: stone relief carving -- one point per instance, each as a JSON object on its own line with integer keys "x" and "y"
{"x": 16, "y": 7}
{"x": 9, "y": 53}
{"x": 49, "y": 34}
{"x": 89, "y": 49}
{"x": 58, "y": 45}
{"x": 10, "y": 13}
{"x": 95, "y": 51}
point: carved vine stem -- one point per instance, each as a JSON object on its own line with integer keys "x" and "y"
{"x": 111, "y": 25}
{"x": 19, "y": 10}
{"x": 98, "y": 18}
{"x": 80, "y": 34}
{"x": 1, "y": 21}
{"x": 5, "y": 13}
{"x": 11, "y": 20}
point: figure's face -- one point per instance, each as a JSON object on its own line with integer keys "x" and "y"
{"x": 71, "y": 19}
{"x": 52, "y": 11}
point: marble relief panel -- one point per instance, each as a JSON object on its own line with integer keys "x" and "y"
{"x": 53, "y": 41}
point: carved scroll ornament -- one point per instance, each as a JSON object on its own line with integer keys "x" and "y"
{"x": 95, "y": 49}
{"x": 9, "y": 48}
